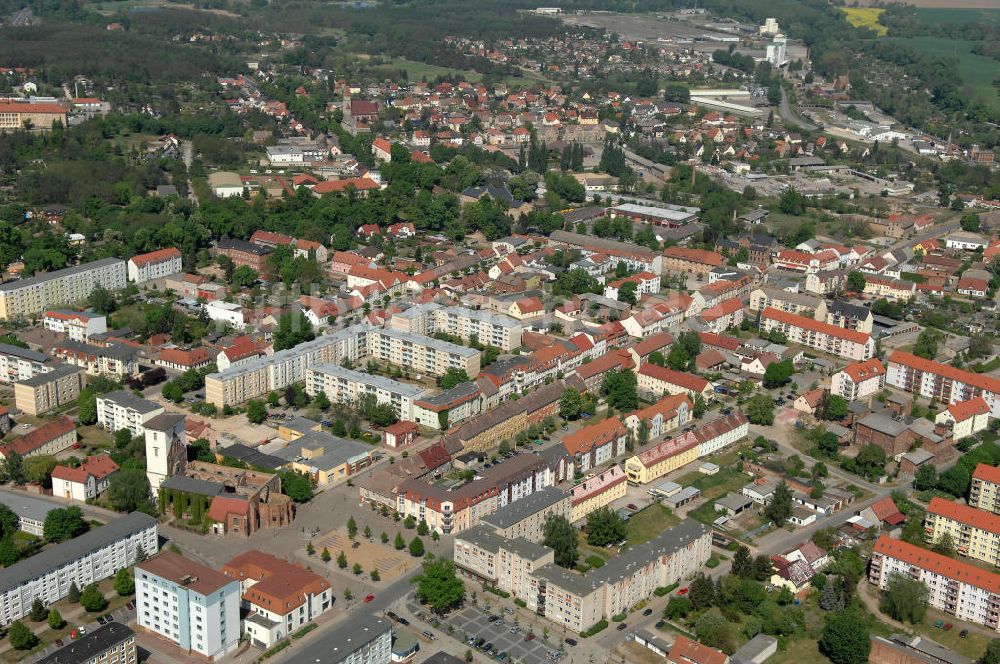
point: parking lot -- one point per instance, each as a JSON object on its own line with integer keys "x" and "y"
{"x": 472, "y": 623}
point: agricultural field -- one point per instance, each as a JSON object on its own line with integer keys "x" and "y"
{"x": 958, "y": 15}
{"x": 866, "y": 17}
{"x": 944, "y": 4}
{"x": 978, "y": 72}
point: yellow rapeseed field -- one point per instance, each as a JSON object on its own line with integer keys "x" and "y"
{"x": 865, "y": 17}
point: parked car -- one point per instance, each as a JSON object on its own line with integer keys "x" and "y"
{"x": 633, "y": 507}
{"x": 369, "y": 598}
{"x": 682, "y": 591}
{"x": 571, "y": 642}
{"x": 622, "y": 627}
{"x": 391, "y": 615}
{"x": 659, "y": 624}
{"x": 647, "y": 612}
{"x": 508, "y": 610}
{"x": 429, "y": 634}
{"x": 964, "y": 633}
{"x": 530, "y": 636}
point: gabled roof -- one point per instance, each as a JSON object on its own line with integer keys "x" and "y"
{"x": 595, "y": 435}
{"x": 982, "y": 381}
{"x": 936, "y": 563}
{"x": 158, "y": 256}
{"x": 813, "y": 325}
{"x": 949, "y": 509}
{"x": 679, "y": 378}
{"x": 963, "y": 410}
{"x": 100, "y": 466}
{"x": 861, "y": 371}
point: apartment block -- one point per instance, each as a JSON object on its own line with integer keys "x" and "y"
{"x": 859, "y": 380}
{"x": 666, "y": 415}
{"x": 975, "y": 533}
{"x": 452, "y": 510}
{"x": 487, "y": 327}
{"x": 257, "y": 377}
{"x": 943, "y": 382}
{"x": 819, "y": 335}
{"x": 984, "y": 493}
{"x": 653, "y": 382}
{"x": 359, "y": 639}
{"x": 67, "y": 286}
{"x": 348, "y": 387}
{"x": 593, "y": 445}
{"x": 525, "y": 518}
{"x": 776, "y": 298}
{"x": 483, "y": 555}
{"x": 94, "y": 556}
{"x": 955, "y": 587}
{"x": 77, "y": 325}
{"x": 18, "y": 363}
{"x": 193, "y": 606}
{"x": 47, "y": 391}
{"x": 450, "y": 407}
{"x": 154, "y": 265}
{"x": 658, "y": 459}
{"x": 425, "y": 355}
{"x": 123, "y": 410}
{"x": 114, "y": 358}
{"x": 112, "y": 643}
{"x": 278, "y": 596}
{"x": 578, "y": 601}
{"x": 598, "y": 491}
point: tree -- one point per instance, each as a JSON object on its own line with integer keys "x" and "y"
{"x": 38, "y": 612}
{"x": 342, "y": 560}
{"x": 905, "y": 599}
{"x": 86, "y": 404}
{"x": 856, "y": 281}
{"x": 124, "y": 583}
{"x": 375, "y": 576}
{"x": 830, "y": 598}
{"x": 927, "y": 342}
{"x": 417, "y": 547}
{"x": 438, "y": 585}
{"x": 256, "y": 411}
{"x": 243, "y": 277}
{"x": 129, "y": 490}
{"x": 92, "y": 600}
{"x": 762, "y": 568}
{"x": 352, "y": 528}
{"x": 925, "y": 477}
{"x": 834, "y": 407}
{"x": 367, "y": 532}
{"x": 570, "y": 404}
{"x": 74, "y": 593}
{"x": 992, "y": 654}
{"x": 55, "y": 619}
{"x": 560, "y": 536}
{"x": 63, "y": 524}
{"x": 684, "y": 352}
{"x": 422, "y": 528}
{"x": 955, "y": 480}
{"x": 656, "y": 357}
{"x": 293, "y": 329}
{"x": 310, "y": 549}
{"x": 970, "y": 223}
{"x": 702, "y": 592}
{"x": 778, "y": 373}
{"x": 321, "y": 401}
{"x": 357, "y": 569}
{"x": 742, "y": 564}
{"x": 627, "y": 293}
{"x": 944, "y": 545}
{"x": 38, "y": 469}
{"x": 21, "y": 638}
{"x": 605, "y": 527}
{"x": 399, "y": 543}
{"x": 760, "y": 410}
{"x": 845, "y": 638}
{"x": 453, "y": 377}
{"x": 13, "y": 468}
{"x": 325, "y": 556}
{"x": 780, "y": 507}
{"x": 620, "y": 387}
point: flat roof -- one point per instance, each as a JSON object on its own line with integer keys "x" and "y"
{"x": 130, "y": 401}
{"x": 27, "y": 506}
{"x": 430, "y": 342}
{"x": 650, "y": 211}
{"x": 50, "y": 559}
{"x": 519, "y": 510}
{"x": 387, "y": 384}
{"x": 87, "y": 648}
{"x": 58, "y": 274}
{"x": 337, "y": 451}
{"x": 344, "y": 639}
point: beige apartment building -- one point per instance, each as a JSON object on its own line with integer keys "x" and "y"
{"x": 487, "y": 327}
{"x": 258, "y": 377}
{"x": 819, "y": 335}
{"x": 578, "y": 601}
{"x": 984, "y": 493}
{"x": 975, "y": 533}
{"x": 794, "y": 303}
{"x": 37, "y": 294}
{"x": 348, "y": 386}
{"x": 525, "y": 518}
{"x": 425, "y": 355}
{"x": 44, "y": 392}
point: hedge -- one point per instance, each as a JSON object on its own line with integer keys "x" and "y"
{"x": 665, "y": 590}
{"x": 497, "y": 591}
{"x": 600, "y": 625}
{"x": 520, "y": 602}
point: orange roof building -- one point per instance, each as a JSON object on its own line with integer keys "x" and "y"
{"x": 686, "y": 651}
{"x": 974, "y": 532}
{"x": 593, "y": 445}
{"x": 653, "y": 381}
{"x": 819, "y": 335}
{"x": 943, "y": 382}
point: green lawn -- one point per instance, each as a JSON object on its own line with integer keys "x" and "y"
{"x": 978, "y": 72}
{"x": 418, "y": 70}
{"x": 715, "y": 486}
{"x": 650, "y": 522}
{"x": 958, "y": 15}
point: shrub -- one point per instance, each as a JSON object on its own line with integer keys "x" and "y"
{"x": 520, "y": 602}
{"x": 665, "y": 590}
{"x": 618, "y": 617}
{"x": 597, "y": 627}
{"x": 595, "y": 561}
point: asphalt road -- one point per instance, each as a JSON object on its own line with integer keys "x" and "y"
{"x": 791, "y": 116}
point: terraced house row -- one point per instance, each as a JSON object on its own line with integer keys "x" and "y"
{"x": 658, "y": 459}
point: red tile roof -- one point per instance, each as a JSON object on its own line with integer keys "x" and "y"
{"x": 595, "y": 435}
{"x": 886, "y": 510}
{"x": 982, "y": 381}
{"x": 158, "y": 256}
{"x": 963, "y": 410}
{"x": 938, "y": 564}
{"x": 814, "y": 325}
{"x": 280, "y": 585}
{"x": 686, "y": 651}
{"x": 986, "y": 473}
{"x": 223, "y": 506}
{"x": 185, "y": 358}
{"x": 719, "y": 341}
{"x": 964, "y": 514}
{"x": 331, "y": 186}
{"x": 701, "y": 256}
{"x": 100, "y": 466}
{"x": 31, "y": 441}
{"x": 861, "y": 371}
{"x": 659, "y": 341}
{"x": 679, "y": 378}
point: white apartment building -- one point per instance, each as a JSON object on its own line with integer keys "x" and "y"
{"x": 348, "y": 387}
{"x": 96, "y": 555}
{"x": 425, "y": 355}
{"x": 256, "y": 378}
{"x": 487, "y": 327}
{"x": 859, "y": 380}
{"x": 18, "y": 363}
{"x": 77, "y": 325}
{"x": 955, "y": 587}
{"x": 72, "y": 284}
{"x": 943, "y": 382}
{"x": 189, "y": 604}
{"x": 819, "y": 335}
{"x": 123, "y": 410}
{"x": 154, "y": 265}
{"x": 776, "y": 298}
{"x": 280, "y": 597}
{"x": 228, "y": 313}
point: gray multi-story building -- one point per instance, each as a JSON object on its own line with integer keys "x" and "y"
{"x": 52, "y": 289}
{"x": 360, "y": 639}
{"x": 89, "y": 558}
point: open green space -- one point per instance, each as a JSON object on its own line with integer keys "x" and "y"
{"x": 978, "y": 72}
{"x": 650, "y": 522}
{"x": 958, "y": 15}
{"x": 718, "y": 485}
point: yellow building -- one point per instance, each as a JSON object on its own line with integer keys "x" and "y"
{"x": 325, "y": 458}
{"x": 43, "y": 392}
{"x": 662, "y": 458}
{"x": 984, "y": 494}
{"x": 975, "y": 533}
{"x": 425, "y": 355}
{"x": 594, "y": 493}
